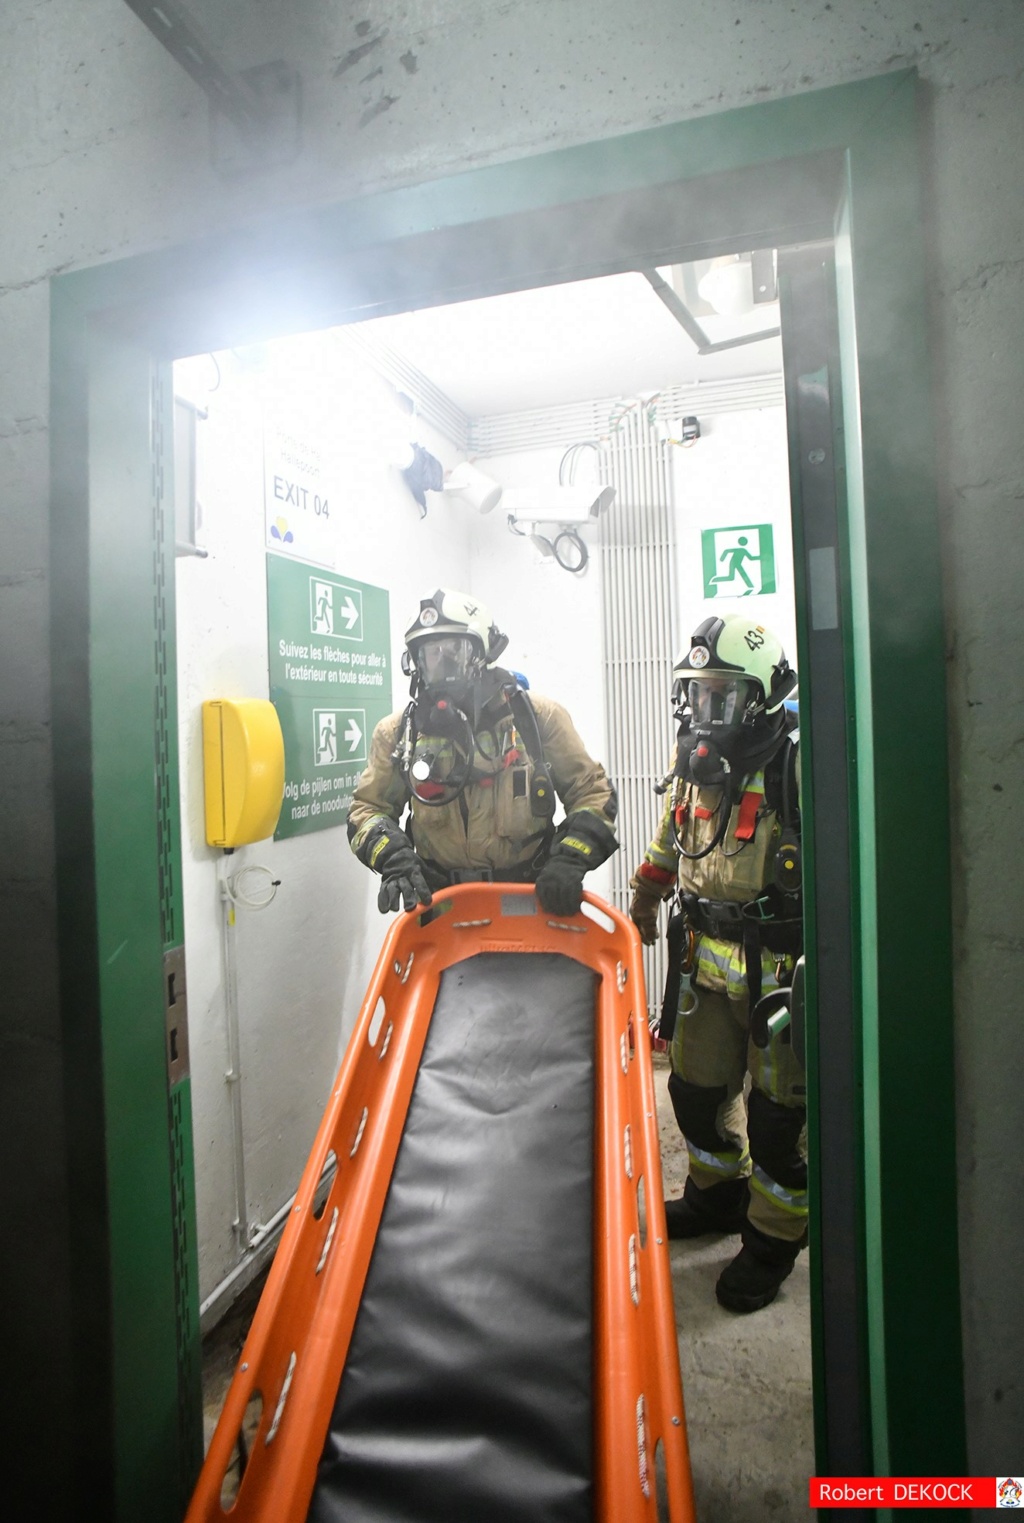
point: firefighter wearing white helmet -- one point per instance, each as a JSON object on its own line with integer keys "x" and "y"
{"x": 462, "y": 785}
{"x": 728, "y": 850}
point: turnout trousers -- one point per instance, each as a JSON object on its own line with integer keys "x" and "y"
{"x": 730, "y": 1135}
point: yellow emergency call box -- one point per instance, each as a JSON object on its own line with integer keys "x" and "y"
{"x": 243, "y": 770}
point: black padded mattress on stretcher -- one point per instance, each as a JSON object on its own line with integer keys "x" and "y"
{"x": 466, "y": 1396}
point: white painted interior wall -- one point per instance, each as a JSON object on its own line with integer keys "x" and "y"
{"x": 552, "y": 617}
{"x": 303, "y": 962}
{"x": 737, "y": 473}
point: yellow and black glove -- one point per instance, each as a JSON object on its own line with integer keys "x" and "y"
{"x": 583, "y": 841}
{"x": 402, "y": 879}
{"x": 388, "y": 851}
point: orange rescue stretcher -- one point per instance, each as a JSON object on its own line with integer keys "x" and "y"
{"x": 294, "y": 1357}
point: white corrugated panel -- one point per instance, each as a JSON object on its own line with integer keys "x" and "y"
{"x": 639, "y": 634}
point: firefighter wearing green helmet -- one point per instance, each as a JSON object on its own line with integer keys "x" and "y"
{"x": 463, "y": 784}
{"x": 727, "y": 849}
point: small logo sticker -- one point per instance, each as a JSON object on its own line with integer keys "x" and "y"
{"x": 699, "y": 656}
{"x": 428, "y": 617}
{"x": 1009, "y": 1492}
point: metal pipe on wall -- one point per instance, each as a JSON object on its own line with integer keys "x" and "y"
{"x": 233, "y": 1072}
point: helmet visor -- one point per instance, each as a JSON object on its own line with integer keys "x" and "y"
{"x": 720, "y": 700}
{"x": 446, "y": 660}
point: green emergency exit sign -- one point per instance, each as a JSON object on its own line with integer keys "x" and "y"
{"x": 329, "y": 643}
{"x": 738, "y": 562}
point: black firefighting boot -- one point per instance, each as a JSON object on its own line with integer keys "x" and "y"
{"x": 753, "y": 1278}
{"x": 719, "y": 1208}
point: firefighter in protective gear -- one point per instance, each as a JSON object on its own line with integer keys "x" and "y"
{"x": 727, "y": 847}
{"x": 479, "y": 765}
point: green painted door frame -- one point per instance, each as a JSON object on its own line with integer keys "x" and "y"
{"x": 839, "y": 165}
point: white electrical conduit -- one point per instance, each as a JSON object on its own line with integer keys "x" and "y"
{"x": 259, "y": 1250}
{"x": 233, "y": 1072}
{"x": 571, "y": 422}
{"x": 236, "y": 891}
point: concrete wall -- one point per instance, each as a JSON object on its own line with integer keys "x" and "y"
{"x": 104, "y": 151}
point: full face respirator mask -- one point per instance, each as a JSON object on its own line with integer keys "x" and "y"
{"x": 448, "y": 666}
{"x": 447, "y": 670}
{"x": 721, "y": 722}
{"x": 451, "y": 647}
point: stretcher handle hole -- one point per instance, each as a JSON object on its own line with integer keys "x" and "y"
{"x": 641, "y": 1210}
{"x": 231, "y": 1484}
{"x": 661, "y": 1483}
{"x": 598, "y": 916}
{"x": 323, "y": 1188}
{"x": 376, "y": 1021}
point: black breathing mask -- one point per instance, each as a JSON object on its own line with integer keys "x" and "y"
{"x": 707, "y": 765}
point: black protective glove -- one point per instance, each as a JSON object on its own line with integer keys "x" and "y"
{"x": 643, "y": 910}
{"x": 387, "y": 850}
{"x": 402, "y": 878}
{"x": 583, "y": 841}
{"x": 560, "y": 885}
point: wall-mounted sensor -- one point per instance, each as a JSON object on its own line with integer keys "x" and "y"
{"x": 689, "y": 431}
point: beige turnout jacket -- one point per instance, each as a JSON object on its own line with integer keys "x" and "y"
{"x": 492, "y": 824}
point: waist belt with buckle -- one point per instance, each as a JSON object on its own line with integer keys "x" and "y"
{"x": 453, "y": 875}
{"x": 728, "y": 920}
{"x": 752, "y": 925}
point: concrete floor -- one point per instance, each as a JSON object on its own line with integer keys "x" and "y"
{"x": 746, "y": 1379}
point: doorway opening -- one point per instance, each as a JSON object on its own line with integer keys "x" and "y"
{"x": 595, "y": 478}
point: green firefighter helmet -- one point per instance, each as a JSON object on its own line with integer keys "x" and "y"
{"x": 451, "y": 640}
{"x": 735, "y": 668}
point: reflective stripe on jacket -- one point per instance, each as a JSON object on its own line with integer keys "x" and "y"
{"x": 733, "y": 871}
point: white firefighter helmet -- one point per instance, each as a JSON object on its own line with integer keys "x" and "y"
{"x": 452, "y": 638}
{"x": 734, "y": 667}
